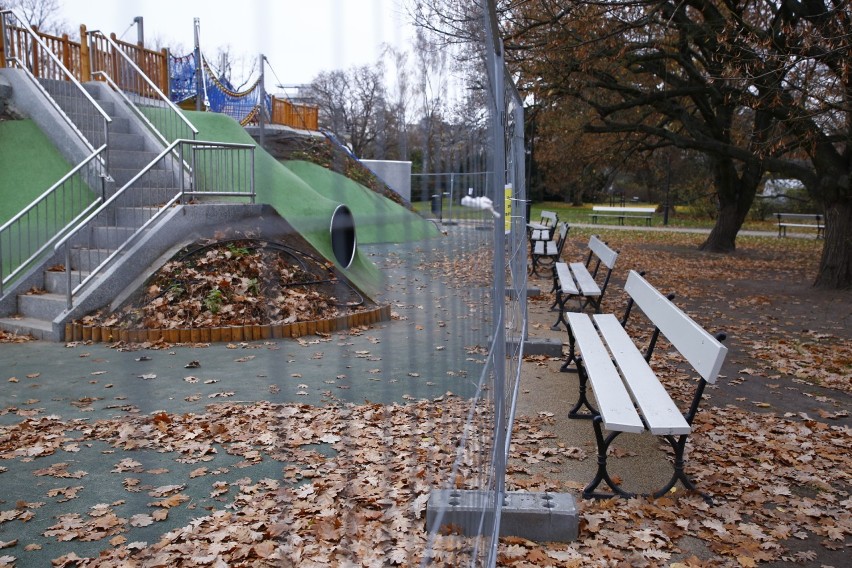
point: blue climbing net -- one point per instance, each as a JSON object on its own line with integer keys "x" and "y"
{"x": 217, "y": 93}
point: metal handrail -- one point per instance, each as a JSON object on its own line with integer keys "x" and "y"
{"x": 117, "y": 49}
{"x": 38, "y": 201}
{"x": 133, "y": 106}
{"x": 171, "y": 148}
{"x": 65, "y": 72}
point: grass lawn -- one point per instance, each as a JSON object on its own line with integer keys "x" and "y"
{"x": 682, "y": 217}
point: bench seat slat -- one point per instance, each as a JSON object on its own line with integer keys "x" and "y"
{"x": 585, "y": 281}
{"x": 661, "y": 413}
{"x": 614, "y": 404}
{"x": 540, "y": 235}
{"x": 545, "y": 248}
{"x": 566, "y": 282}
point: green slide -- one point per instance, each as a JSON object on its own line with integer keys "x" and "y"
{"x": 306, "y": 195}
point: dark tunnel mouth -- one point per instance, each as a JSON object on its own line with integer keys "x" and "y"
{"x": 343, "y": 241}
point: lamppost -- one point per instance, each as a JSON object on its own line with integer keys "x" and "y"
{"x": 668, "y": 186}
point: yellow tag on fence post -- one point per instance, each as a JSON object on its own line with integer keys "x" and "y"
{"x": 507, "y": 210}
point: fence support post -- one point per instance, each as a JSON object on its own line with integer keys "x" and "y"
{"x": 85, "y": 56}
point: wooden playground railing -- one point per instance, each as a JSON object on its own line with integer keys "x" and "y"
{"x": 304, "y": 117}
{"x": 96, "y": 51}
{"x": 75, "y": 55}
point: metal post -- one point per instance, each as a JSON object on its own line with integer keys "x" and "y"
{"x": 261, "y": 110}
{"x": 668, "y": 186}
{"x": 452, "y": 183}
{"x": 495, "y": 67}
{"x": 199, "y": 87}
{"x": 140, "y": 31}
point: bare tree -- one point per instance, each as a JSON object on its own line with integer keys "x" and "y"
{"x": 350, "y": 103}
{"x": 41, "y": 14}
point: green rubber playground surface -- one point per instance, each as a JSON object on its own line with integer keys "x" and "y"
{"x": 29, "y": 165}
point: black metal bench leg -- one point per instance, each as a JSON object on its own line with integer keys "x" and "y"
{"x": 572, "y": 354}
{"x": 678, "y": 444}
{"x": 582, "y": 399}
{"x": 602, "y": 474}
{"x": 561, "y": 299}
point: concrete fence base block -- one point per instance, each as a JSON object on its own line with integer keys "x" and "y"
{"x": 543, "y": 346}
{"x": 532, "y": 291}
{"x": 540, "y": 517}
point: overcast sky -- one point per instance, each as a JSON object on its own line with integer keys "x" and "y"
{"x": 300, "y": 38}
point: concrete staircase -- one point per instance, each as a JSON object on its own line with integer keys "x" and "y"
{"x": 42, "y": 294}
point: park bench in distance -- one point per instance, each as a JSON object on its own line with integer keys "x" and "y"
{"x": 629, "y": 396}
{"x": 803, "y": 221}
{"x": 577, "y": 281}
{"x": 622, "y": 213}
{"x": 548, "y": 252}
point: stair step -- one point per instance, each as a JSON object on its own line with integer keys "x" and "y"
{"x": 41, "y": 306}
{"x": 153, "y": 178}
{"x": 130, "y": 159}
{"x": 111, "y": 237}
{"x": 40, "y": 329}
{"x": 125, "y": 141}
{"x": 134, "y": 216}
{"x": 74, "y": 101}
{"x": 57, "y": 282}
{"x": 87, "y": 259}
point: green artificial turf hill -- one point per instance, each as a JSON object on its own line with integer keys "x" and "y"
{"x": 29, "y": 165}
{"x": 306, "y": 196}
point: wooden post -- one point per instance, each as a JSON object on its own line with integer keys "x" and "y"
{"x": 66, "y": 53}
{"x": 35, "y": 56}
{"x": 85, "y": 61}
{"x": 164, "y": 73}
{"x": 115, "y": 70}
{"x": 3, "y": 43}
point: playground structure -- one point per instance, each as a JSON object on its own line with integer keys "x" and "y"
{"x": 179, "y": 77}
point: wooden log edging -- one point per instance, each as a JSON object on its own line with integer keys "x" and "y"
{"x": 75, "y": 331}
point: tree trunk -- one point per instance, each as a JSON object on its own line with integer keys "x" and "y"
{"x": 723, "y": 236}
{"x": 735, "y": 195}
{"x": 835, "y": 266}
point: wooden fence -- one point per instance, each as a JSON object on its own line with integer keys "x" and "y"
{"x": 77, "y": 58}
{"x": 304, "y": 117}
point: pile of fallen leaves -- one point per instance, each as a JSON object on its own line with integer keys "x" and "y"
{"x": 7, "y": 337}
{"x": 356, "y": 480}
{"x": 241, "y": 282}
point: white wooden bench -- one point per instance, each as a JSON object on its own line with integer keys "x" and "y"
{"x": 800, "y": 221}
{"x": 548, "y": 252}
{"x": 622, "y": 213}
{"x": 542, "y": 231}
{"x": 628, "y": 394}
{"x": 583, "y": 281}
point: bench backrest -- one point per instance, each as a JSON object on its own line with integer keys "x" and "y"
{"x": 611, "y": 209}
{"x": 549, "y": 218}
{"x": 603, "y": 252}
{"x": 703, "y": 351}
{"x": 811, "y": 216}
